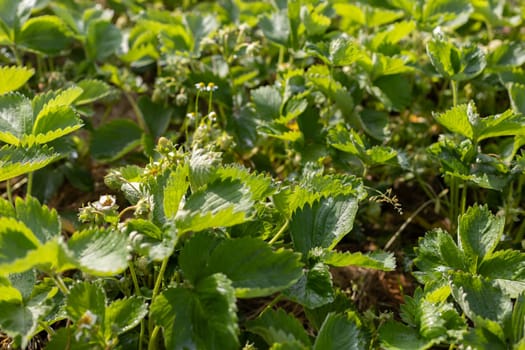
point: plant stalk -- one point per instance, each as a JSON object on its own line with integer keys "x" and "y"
{"x": 279, "y": 233}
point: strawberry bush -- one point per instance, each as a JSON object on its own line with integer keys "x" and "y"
{"x": 286, "y": 174}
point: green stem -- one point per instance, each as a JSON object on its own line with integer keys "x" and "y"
{"x": 454, "y": 86}
{"x": 463, "y": 198}
{"x": 281, "y": 57}
{"x": 272, "y": 303}
{"x": 17, "y": 56}
{"x": 134, "y": 278}
{"x": 46, "y": 327}
{"x": 9, "y": 191}
{"x": 29, "y": 187}
{"x": 156, "y": 289}
{"x": 136, "y": 110}
{"x": 60, "y": 284}
{"x": 279, "y": 233}
{"x": 160, "y": 277}
{"x": 153, "y": 339}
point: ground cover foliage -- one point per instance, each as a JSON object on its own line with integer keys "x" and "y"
{"x": 286, "y": 174}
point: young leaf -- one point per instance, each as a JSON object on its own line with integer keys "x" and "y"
{"x": 343, "y": 52}
{"x": 479, "y": 232}
{"x": 376, "y": 260}
{"x": 99, "y": 252}
{"x": 314, "y": 289}
{"x": 151, "y": 241}
{"x": 341, "y": 332}
{"x": 84, "y": 300}
{"x": 44, "y": 34}
{"x": 15, "y": 161}
{"x": 204, "y": 317}
{"x": 41, "y": 220}
{"x": 276, "y": 326}
{"x": 16, "y": 117}
{"x": 13, "y": 77}
{"x": 517, "y": 97}
{"x": 174, "y": 190}
{"x": 123, "y": 315}
{"x": 114, "y": 139}
{"x": 458, "y": 64}
{"x": 253, "y": 267}
{"x": 456, "y": 120}
{"x": 323, "y": 224}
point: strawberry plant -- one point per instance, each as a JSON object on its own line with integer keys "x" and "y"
{"x": 261, "y": 175}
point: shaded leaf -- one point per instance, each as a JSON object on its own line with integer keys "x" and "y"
{"x": 341, "y": 332}
{"x": 323, "y": 224}
{"x": 204, "y": 317}
{"x": 376, "y": 260}
{"x": 45, "y": 34}
{"x": 277, "y": 326}
{"x": 124, "y": 314}
{"x": 114, "y": 139}
{"x": 41, "y": 220}
{"x": 253, "y": 267}
{"x": 314, "y": 288}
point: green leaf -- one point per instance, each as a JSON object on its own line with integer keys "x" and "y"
{"x": 323, "y": 224}
{"x": 253, "y": 267}
{"x": 496, "y": 267}
{"x": 44, "y": 34}
{"x": 20, "y": 321}
{"x": 479, "y": 232}
{"x": 507, "y": 123}
{"x": 92, "y": 90}
{"x": 203, "y": 165}
{"x": 437, "y": 252}
{"x": 458, "y": 64}
{"x": 99, "y": 252}
{"x": 16, "y": 117}
{"x": 395, "y": 91}
{"x": 16, "y": 240}
{"x": 124, "y": 314}
{"x": 65, "y": 337}
{"x": 517, "y": 97}
{"x": 151, "y": 241}
{"x": 314, "y": 288}
{"x": 277, "y": 326}
{"x": 456, "y": 120}
{"x": 221, "y": 204}
{"x": 156, "y": 116}
{"x": 24, "y": 283}
{"x": 518, "y": 319}
{"x": 195, "y": 256}
{"x": 6, "y": 208}
{"x": 267, "y": 101}
{"x": 176, "y": 186}
{"x": 343, "y": 52}
{"x": 377, "y": 260}
{"x": 341, "y": 331}
{"x": 15, "y": 161}
{"x": 276, "y": 27}
{"x": 397, "y": 336}
{"x": 204, "y": 317}
{"x": 41, "y": 220}
{"x": 102, "y": 39}
{"x": 13, "y": 77}
{"x": 52, "y": 123}
{"x": 114, "y": 139}
{"x": 449, "y": 13}
{"x": 478, "y": 296}
{"x": 86, "y": 299}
